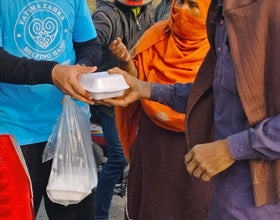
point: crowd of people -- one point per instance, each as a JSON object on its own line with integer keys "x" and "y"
{"x": 198, "y": 125}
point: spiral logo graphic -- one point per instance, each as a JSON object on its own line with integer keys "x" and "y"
{"x": 41, "y": 30}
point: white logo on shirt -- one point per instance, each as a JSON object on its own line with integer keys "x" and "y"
{"x": 41, "y": 30}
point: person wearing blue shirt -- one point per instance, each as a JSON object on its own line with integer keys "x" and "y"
{"x": 47, "y": 38}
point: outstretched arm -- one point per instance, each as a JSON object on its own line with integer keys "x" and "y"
{"x": 174, "y": 96}
{"x": 28, "y": 71}
{"x": 21, "y": 70}
{"x": 137, "y": 90}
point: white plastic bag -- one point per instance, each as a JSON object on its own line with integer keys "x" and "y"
{"x": 51, "y": 144}
{"x": 74, "y": 173}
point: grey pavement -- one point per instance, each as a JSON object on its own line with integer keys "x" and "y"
{"x": 116, "y": 211}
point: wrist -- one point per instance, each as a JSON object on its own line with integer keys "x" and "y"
{"x": 146, "y": 90}
{"x": 54, "y": 69}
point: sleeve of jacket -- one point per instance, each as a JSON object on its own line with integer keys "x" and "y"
{"x": 88, "y": 53}
{"x": 105, "y": 25}
{"x": 23, "y": 70}
{"x": 175, "y": 96}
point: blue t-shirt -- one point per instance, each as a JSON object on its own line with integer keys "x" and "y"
{"x": 41, "y": 30}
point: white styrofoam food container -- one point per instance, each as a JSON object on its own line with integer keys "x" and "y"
{"x": 103, "y": 85}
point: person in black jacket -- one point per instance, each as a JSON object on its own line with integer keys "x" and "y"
{"x": 126, "y": 19}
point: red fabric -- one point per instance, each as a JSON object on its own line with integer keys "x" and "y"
{"x": 15, "y": 188}
{"x": 132, "y": 2}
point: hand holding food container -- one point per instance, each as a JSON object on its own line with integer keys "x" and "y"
{"x": 103, "y": 85}
{"x": 127, "y": 86}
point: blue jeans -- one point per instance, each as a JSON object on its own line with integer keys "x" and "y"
{"x": 112, "y": 170}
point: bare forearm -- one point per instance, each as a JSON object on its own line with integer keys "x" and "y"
{"x": 129, "y": 67}
{"x": 145, "y": 89}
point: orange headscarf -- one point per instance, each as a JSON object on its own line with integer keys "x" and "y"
{"x": 170, "y": 51}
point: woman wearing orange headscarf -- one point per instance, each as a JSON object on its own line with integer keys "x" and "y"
{"x": 171, "y": 51}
